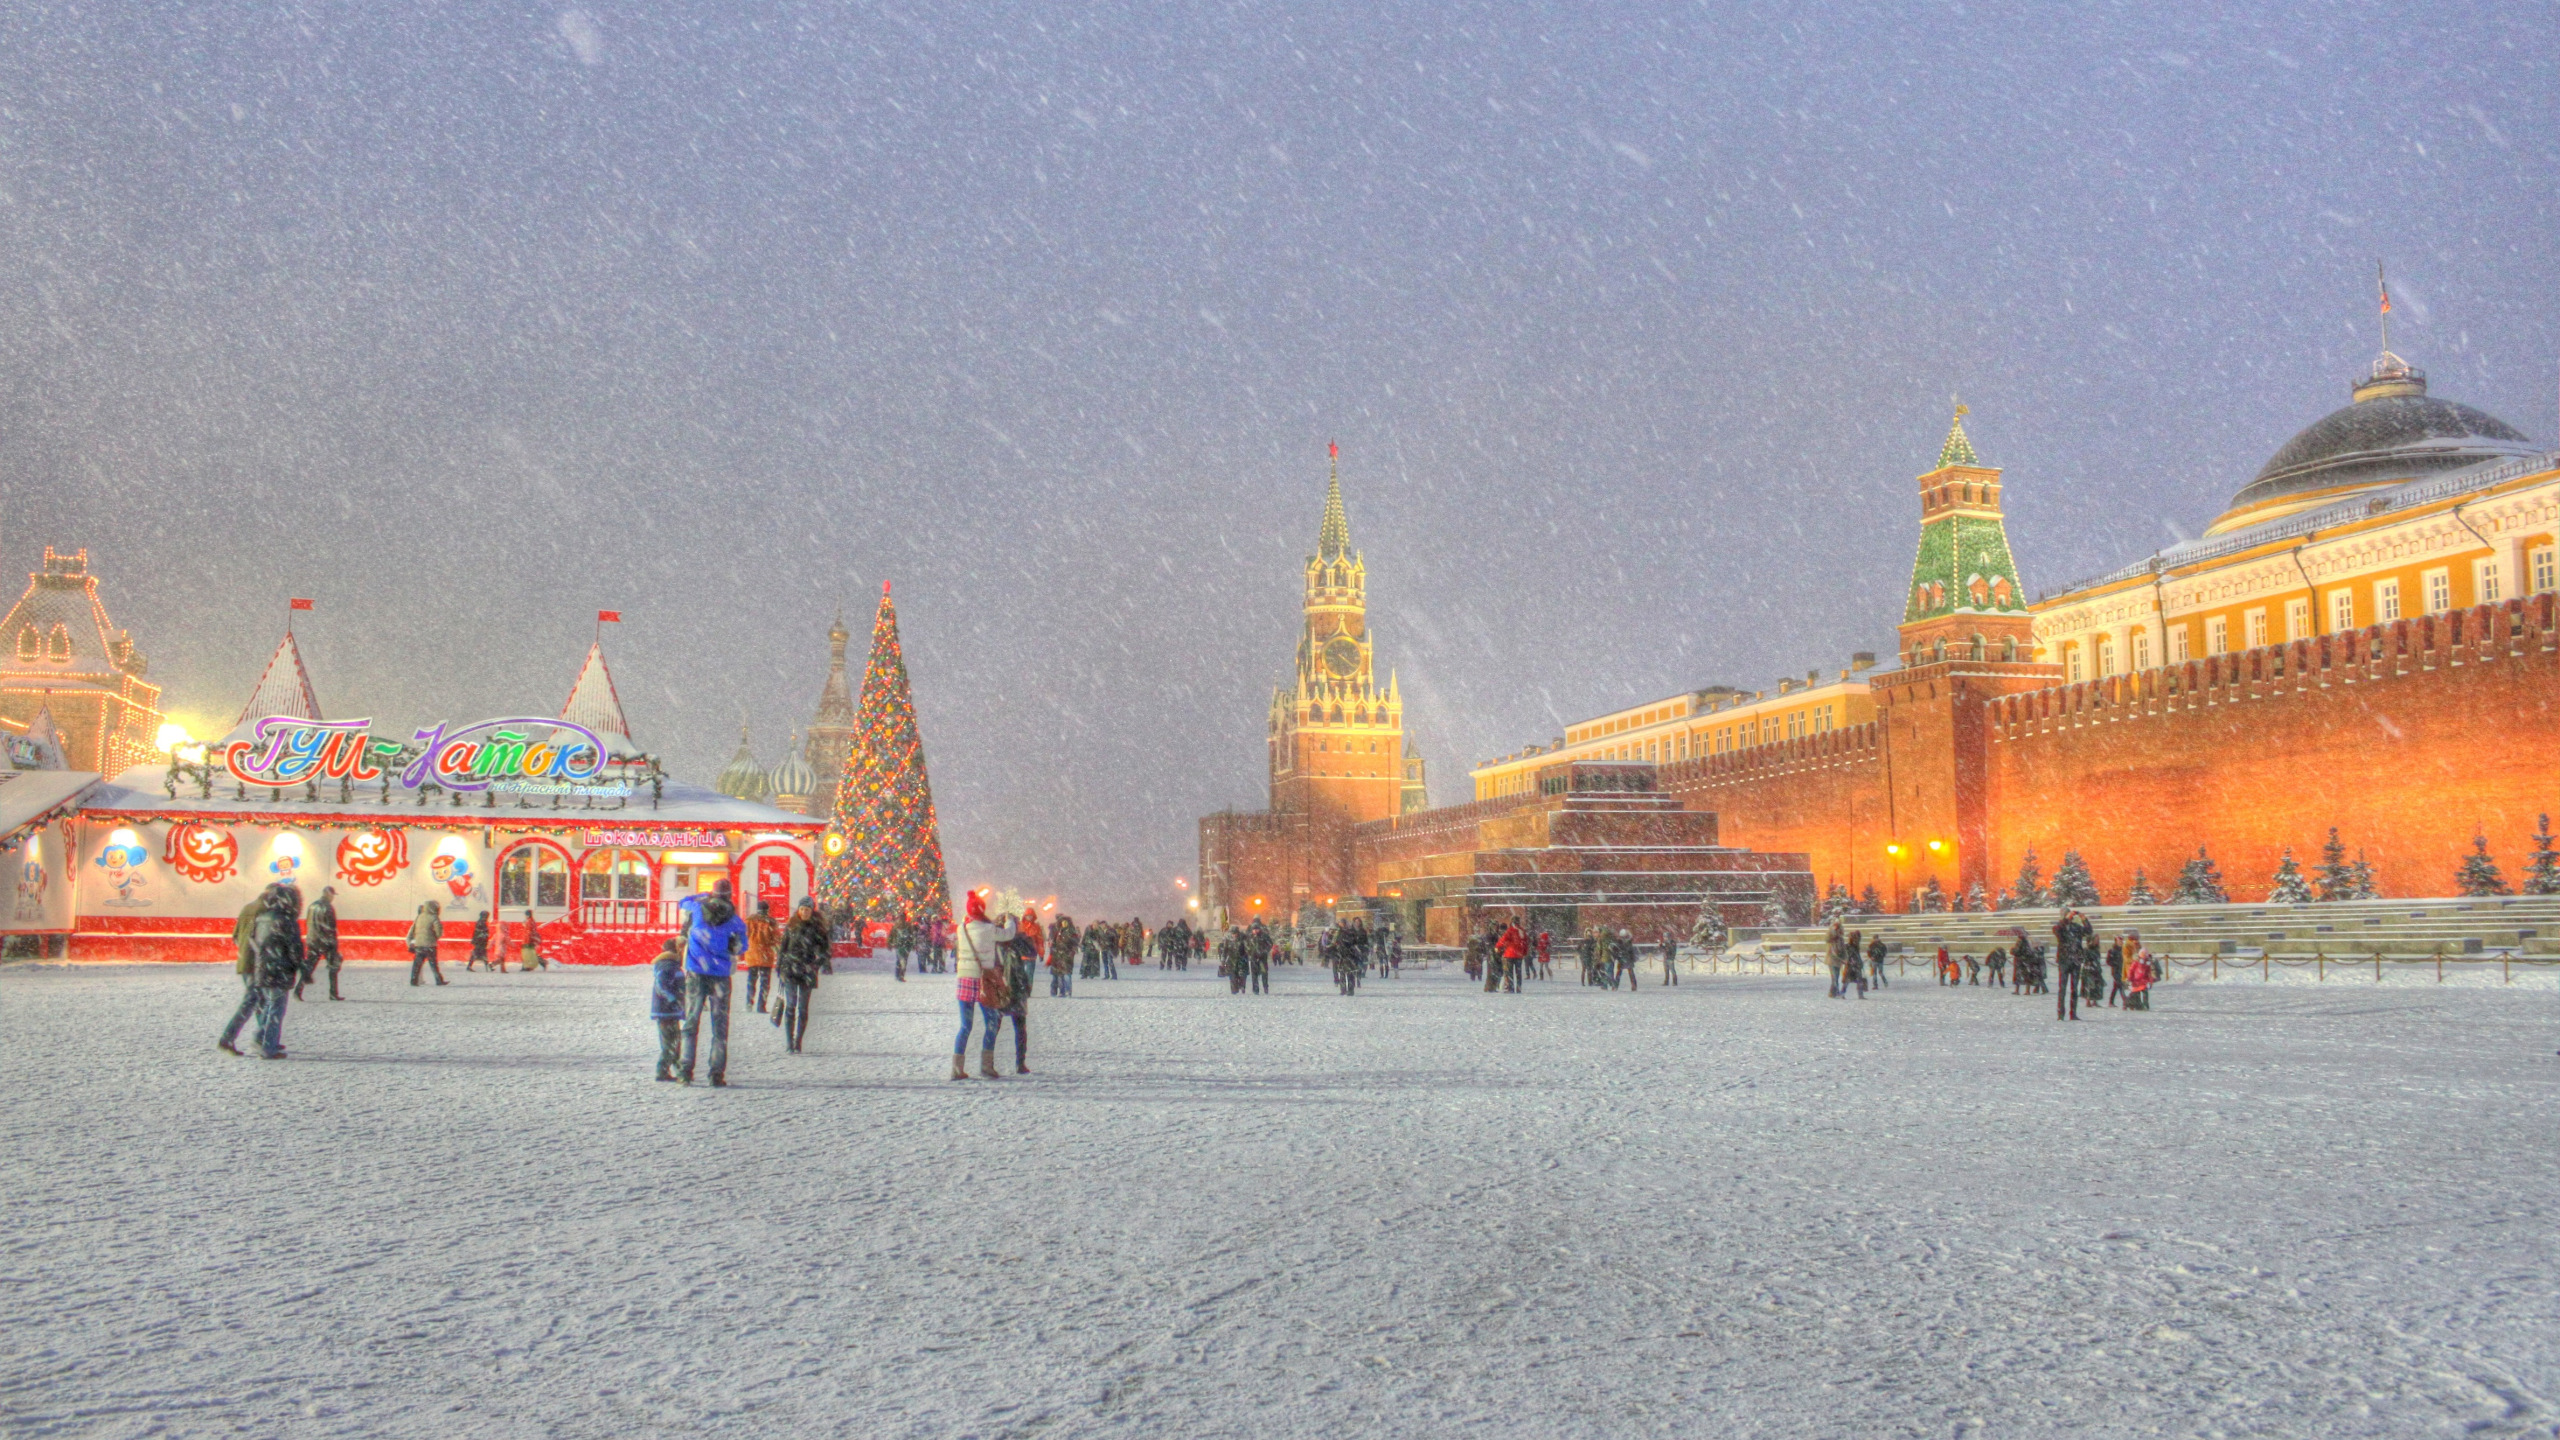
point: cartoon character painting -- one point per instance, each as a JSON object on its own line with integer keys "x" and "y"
{"x": 122, "y": 859}
{"x": 452, "y": 869}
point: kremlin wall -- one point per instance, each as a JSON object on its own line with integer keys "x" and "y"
{"x": 2365, "y": 639}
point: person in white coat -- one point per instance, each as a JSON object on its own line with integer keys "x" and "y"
{"x": 980, "y": 947}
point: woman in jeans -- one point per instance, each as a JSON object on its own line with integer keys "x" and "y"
{"x": 979, "y": 954}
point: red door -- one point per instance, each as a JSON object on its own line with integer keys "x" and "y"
{"x": 773, "y": 883}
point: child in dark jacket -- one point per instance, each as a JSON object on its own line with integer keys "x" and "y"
{"x": 666, "y": 1004}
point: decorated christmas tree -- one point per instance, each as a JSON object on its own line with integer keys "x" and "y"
{"x": 2073, "y": 884}
{"x": 890, "y": 861}
{"x": 2542, "y": 872}
{"x": 2288, "y": 887}
{"x": 2335, "y": 877}
{"x": 2141, "y": 893}
{"x": 2479, "y": 874}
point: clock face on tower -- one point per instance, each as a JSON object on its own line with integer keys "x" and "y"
{"x": 1342, "y": 657}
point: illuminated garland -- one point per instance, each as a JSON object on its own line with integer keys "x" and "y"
{"x": 891, "y": 861}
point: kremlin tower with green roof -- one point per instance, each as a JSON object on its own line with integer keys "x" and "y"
{"x": 1964, "y": 601}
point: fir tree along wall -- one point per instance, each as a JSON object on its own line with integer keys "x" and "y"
{"x": 892, "y": 859}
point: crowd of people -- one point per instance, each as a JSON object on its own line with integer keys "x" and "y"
{"x": 994, "y": 960}
{"x": 1506, "y": 954}
{"x": 2118, "y": 973}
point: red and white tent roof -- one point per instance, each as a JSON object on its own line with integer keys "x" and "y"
{"x": 284, "y": 689}
{"x": 592, "y": 699}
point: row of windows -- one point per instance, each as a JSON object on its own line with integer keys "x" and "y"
{"x": 1697, "y": 744}
{"x": 50, "y": 645}
{"x": 2381, "y": 606}
{"x": 1624, "y": 722}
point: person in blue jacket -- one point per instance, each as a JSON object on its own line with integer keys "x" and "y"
{"x": 714, "y": 936}
{"x": 666, "y": 1003}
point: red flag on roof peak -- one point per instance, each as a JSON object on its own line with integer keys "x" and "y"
{"x": 608, "y": 617}
{"x": 301, "y": 604}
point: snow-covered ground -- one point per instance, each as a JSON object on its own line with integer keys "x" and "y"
{"x": 1736, "y": 1208}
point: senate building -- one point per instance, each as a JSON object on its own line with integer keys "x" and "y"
{"x": 2363, "y": 639}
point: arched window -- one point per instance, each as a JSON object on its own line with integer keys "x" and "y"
{"x": 536, "y": 876}
{"x": 614, "y": 875}
{"x": 30, "y": 644}
{"x": 60, "y": 646}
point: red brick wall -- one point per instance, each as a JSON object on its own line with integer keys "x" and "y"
{"x": 1822, "y": 796}
{"x": 2407, "y": 737}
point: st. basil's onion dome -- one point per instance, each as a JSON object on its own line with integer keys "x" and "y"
{"x": 792, "y": 783}
{"x": 742, "y": 778}
{"x": 2393, "y": 432}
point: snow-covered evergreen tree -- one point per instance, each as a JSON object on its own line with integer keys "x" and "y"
{"x": 2479, "y": 874}
{"x": 2030, "y": 884}
{"x": 2199, "y": 882}
{"x": 1869, "y": 903}
{"x": 2288, "y": 887}
{"x": 2141, "y": 892}
{"x": 1933, "y": 900}
{"x": 2361, "y": 880}
{"x": 2073, "y": 884}
{"x": 1710, "y": 934}
{"x": 2008, "y": 899}
{"x": 1972, "y": 901}
{"x": 1836, "y": 905}
{"x": 2542, "y": 872}
{"x": 2335, "y": 877}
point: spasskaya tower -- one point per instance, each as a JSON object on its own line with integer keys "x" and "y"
{"x": 1337, "y": 737}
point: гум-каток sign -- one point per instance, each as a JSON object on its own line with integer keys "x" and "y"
{"x": 520, "y": 755}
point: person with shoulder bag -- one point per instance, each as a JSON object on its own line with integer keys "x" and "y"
{"x": 978, "y": 984}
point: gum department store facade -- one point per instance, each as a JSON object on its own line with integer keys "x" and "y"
{"x": 2364, "y": 638}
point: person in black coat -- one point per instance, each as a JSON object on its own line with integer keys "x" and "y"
{"x": 320, "y": 941}
{"x": 276, "y": 941}
{"x": 804, "y": 952}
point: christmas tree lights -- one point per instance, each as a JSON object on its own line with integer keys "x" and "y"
{"x": 891, "y": 862}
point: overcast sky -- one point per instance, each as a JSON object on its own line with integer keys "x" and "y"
{"x": 1634, "y": 321}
